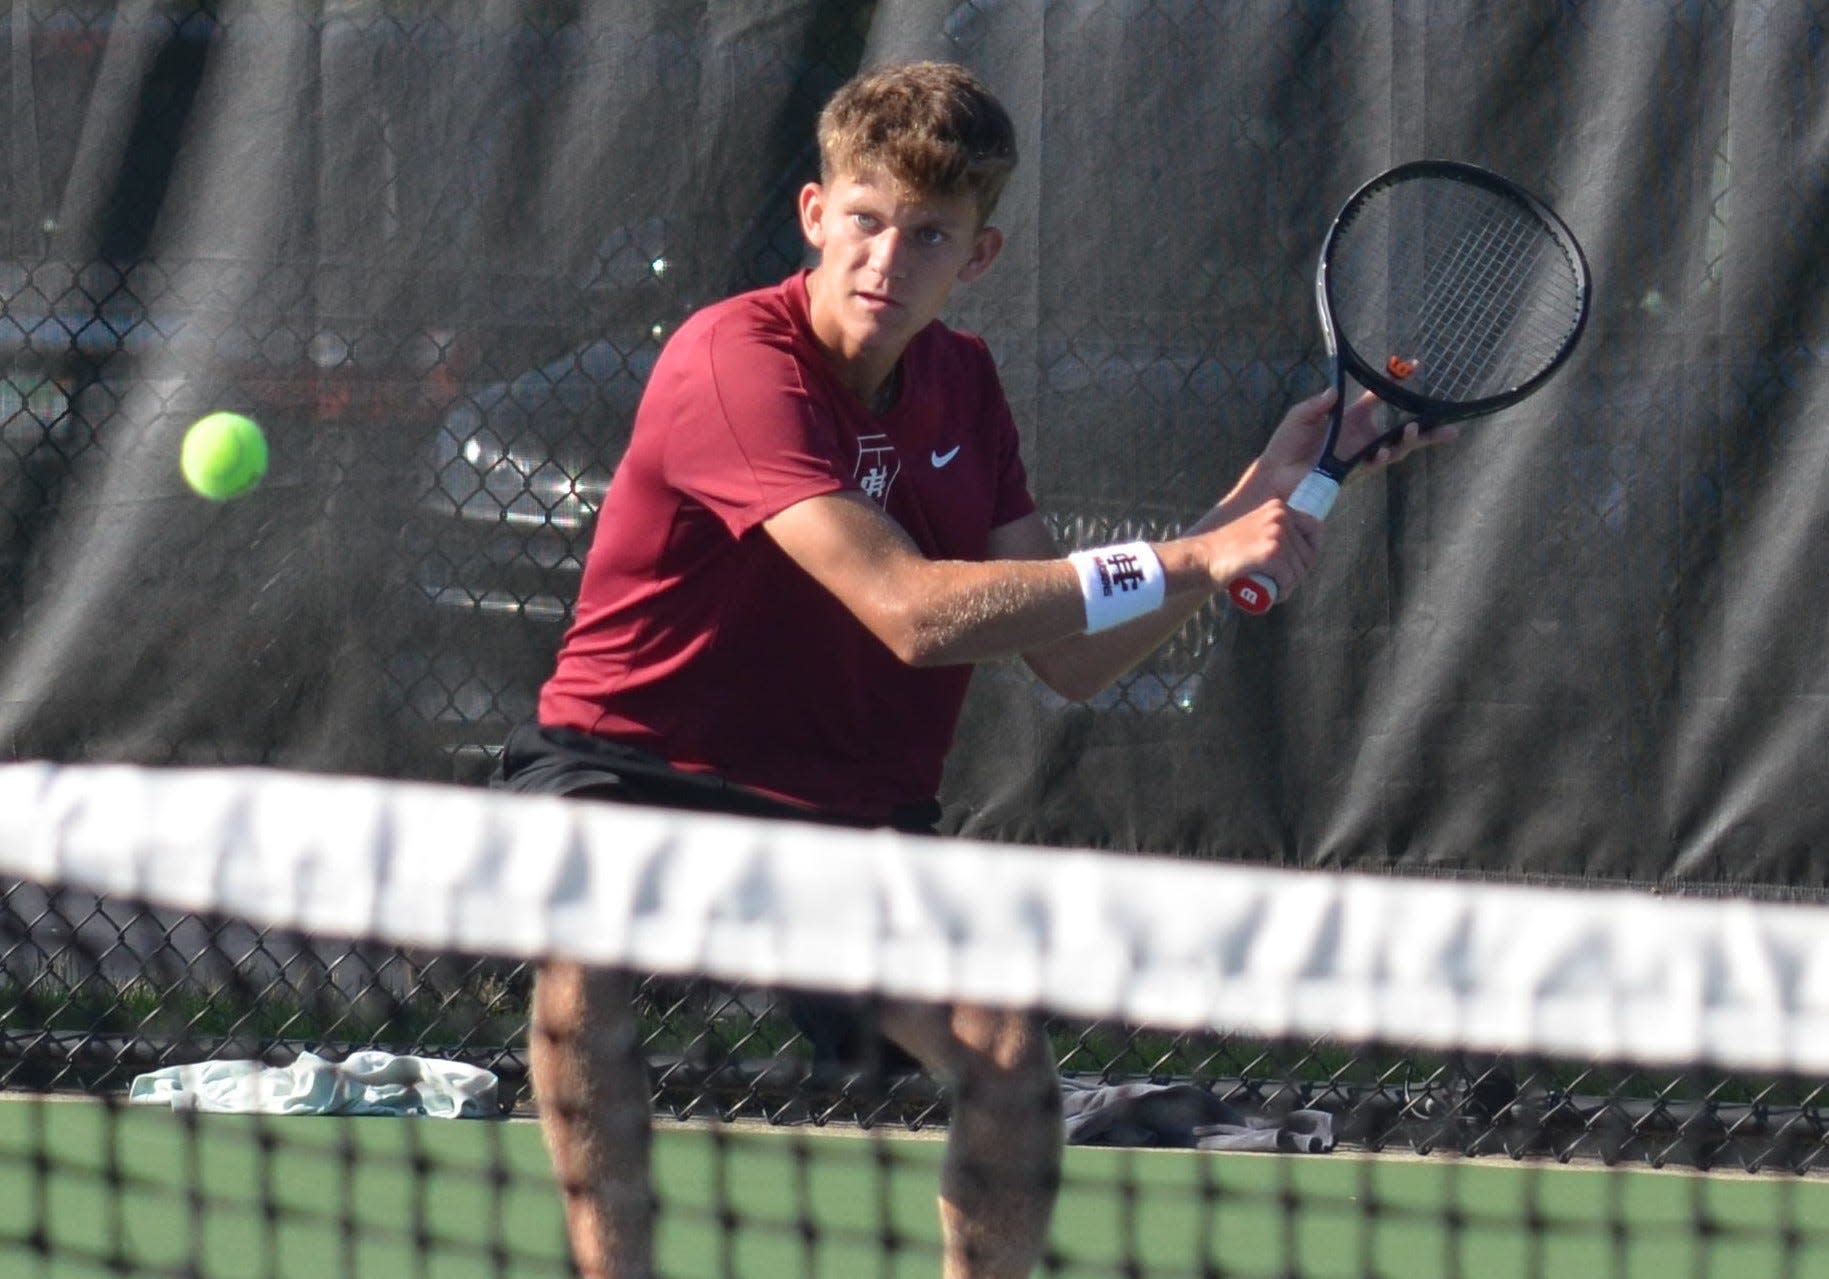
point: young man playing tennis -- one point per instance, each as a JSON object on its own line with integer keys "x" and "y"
{"x": 820, "y": 524}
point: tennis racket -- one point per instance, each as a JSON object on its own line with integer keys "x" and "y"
{"x": 1449, "y": 293}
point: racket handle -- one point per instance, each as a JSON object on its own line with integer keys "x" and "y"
{"x": 1256, "y": 593}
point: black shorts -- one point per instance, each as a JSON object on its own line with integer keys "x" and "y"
{"x": 562, "y": 761}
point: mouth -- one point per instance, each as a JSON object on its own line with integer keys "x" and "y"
{"x": 877, "y": 301}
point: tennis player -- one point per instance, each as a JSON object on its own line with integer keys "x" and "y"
{"x": 820, "y": 524}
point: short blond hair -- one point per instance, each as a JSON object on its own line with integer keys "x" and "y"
{"x": 930, "y": 127}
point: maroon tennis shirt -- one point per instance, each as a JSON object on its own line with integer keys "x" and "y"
{"x": 695, "y": 638}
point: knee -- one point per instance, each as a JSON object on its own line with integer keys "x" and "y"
{"x": 1010, "y": 1043}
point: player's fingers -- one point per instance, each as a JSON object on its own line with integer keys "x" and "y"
{"x": 1298, "y": 547}
{"x": 1275, "y": 539}
{"x": 1439, "y": 435}
{"x": 1356, "y": 418}
{"x": 1290, "y": 571}
{"x": 1301, "y": 532}
{"x": 1306, "y": 543}
{"x": 1398, "y": 446}
{"x": 1413, "y": 439}
{"x": 1310, "y": 416}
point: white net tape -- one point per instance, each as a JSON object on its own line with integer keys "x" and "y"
{"x": 1599, "y": 975}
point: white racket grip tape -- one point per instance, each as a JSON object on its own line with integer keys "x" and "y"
{"x": 1315, "y": 495}
{"x": 1256, "y": 593}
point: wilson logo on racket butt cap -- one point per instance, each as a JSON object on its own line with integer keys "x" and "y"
{"x": 1250, "y": 597}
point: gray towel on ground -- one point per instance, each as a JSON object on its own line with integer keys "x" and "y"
{"x": 1186, "y": 1116}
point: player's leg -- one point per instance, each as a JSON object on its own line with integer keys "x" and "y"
{"x": 591, "y": 1085}
{"x": 1003, "y": 1155}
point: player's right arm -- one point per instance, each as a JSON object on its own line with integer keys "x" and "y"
{"x": 1025, "y": 599}
{"x": 1082, "y": 665}
{"x": 947, "y": 612}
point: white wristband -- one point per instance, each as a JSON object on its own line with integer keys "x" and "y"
{"x": 1119, "y": 583}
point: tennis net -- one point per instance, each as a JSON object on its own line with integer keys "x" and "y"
{"x": 1262, "y": 1072}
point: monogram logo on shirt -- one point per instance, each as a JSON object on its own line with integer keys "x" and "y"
{"x": 877, "y": 466}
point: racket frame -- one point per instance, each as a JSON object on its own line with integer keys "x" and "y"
{"x": 1257, "y": 593}
{"x": 1346, "y": 360}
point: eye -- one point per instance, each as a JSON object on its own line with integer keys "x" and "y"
{"x": 933, "y": 237}
{"x": 865, "y": 221}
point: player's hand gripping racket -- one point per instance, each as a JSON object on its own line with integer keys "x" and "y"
{"x": 1446, "y": 291}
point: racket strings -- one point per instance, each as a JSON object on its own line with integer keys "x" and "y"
{"x": 1472, "y": 290}
{"x": 1487, "y": 321}
{"x": 1488, "y": 290}
{"x": 1511, "y": 304}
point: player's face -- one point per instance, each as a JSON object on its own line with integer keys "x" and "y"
{"x": 888, "y": 261}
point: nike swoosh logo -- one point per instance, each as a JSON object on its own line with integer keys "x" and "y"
{"x": 941, "y": 459}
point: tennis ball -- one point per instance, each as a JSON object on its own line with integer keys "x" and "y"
{"x": 224, "y": 455}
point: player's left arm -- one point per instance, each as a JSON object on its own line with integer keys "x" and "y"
{"x": 1296, "y": 444}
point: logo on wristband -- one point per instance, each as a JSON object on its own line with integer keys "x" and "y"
{"x": 1121, "y": 570}
{"x": 1119, "y": 583}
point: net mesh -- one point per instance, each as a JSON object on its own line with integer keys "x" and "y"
{"x": 1262, "y": 1072}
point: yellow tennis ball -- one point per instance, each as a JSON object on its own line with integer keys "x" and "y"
{"x": 224, "y": 455}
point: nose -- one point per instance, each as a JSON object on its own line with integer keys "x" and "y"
{"x": 886, "y": 253}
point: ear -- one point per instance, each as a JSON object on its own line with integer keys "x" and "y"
{"x": 812, "y": 208}
{"x": 986, "y": 245}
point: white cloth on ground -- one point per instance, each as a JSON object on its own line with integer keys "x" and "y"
{"x": 370, "y": 1082}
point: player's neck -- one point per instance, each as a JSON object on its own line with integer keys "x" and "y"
{"x": 868, "y": 370}
{"x": 874, "y": 382}
{"x": 881, "y": 400}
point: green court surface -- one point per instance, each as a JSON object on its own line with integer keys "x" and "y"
{"x": 145, "y": 1192}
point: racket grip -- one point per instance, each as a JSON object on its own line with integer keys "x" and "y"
{"x": 1256, "y": 593}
